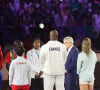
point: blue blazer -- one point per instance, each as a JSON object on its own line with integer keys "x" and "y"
{"x": 71, "y": 62}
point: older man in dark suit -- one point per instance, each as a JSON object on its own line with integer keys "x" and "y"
{"x": 71, "y": 64}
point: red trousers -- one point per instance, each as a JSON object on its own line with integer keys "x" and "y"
{"x": 22, "y": 87}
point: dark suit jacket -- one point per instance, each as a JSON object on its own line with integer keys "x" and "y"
{"x": 71, "y": 62}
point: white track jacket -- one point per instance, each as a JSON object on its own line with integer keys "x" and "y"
{"x": 20, "y": 72}
{"x": 53, "y": 58}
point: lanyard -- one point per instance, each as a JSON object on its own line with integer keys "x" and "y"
{"x": 37, "y": 53}
{"x": 12, "y": 53}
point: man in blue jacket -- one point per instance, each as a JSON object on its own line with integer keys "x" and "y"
{"x": 71, "y": 65}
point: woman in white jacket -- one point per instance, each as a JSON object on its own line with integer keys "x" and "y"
{"x": 85, "y": 65}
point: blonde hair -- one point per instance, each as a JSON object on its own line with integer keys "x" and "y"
{"x": 86, "y": 46}
{"x": 69, "y": 39}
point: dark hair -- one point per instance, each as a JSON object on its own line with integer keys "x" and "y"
{"x": 34, "y": 39}
{"x": 19, "y": 51}
{"x": 18, "y": 43}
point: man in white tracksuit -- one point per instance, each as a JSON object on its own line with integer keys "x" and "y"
{"x": 52, "y": 57}
{"x": 33, "y": 57}
{"x": 20, "y": 72}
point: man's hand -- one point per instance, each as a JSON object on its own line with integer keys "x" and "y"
{"x": 65, "y": 71}
{"x": 10, "y": 85}
{"x": 37, "y": 76}
{"x": 41, "y": 72}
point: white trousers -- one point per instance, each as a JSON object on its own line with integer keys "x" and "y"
{"x": 50, "y": 80}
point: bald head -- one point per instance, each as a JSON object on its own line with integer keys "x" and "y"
{"x": 53, "y": 35}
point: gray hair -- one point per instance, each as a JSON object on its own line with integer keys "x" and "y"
{"x": 69, "y": 39}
